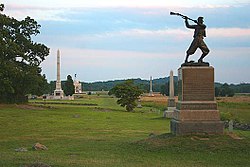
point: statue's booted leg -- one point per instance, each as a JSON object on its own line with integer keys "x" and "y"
{"x": 186, "y": 60}
{"x": 204, "y": 50}
{"x": 202, "y": 56}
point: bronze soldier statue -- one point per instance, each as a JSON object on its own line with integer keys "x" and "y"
{"x": 199, "y": 34}
{"x": 198, "y": 42}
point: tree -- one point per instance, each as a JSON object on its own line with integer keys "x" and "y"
{"x": 20, "y": 58}
{"x": 165, "y": 89}
{"x": 216, "y": 91}
{"x": 69, "y": 88}
{"x": 42, "y": 86}
{"x": 225, "y": 90}
{"x": 127, "y": 93}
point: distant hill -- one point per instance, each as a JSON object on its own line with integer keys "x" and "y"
{"x": 143, "y": 84}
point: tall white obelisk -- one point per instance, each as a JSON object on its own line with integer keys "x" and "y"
{"x": 151, "y": 87}
{"x": 58, "y": 93}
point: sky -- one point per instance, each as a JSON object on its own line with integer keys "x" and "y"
{"x": 102, "y": 40}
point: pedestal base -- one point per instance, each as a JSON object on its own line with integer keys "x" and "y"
{"x": 58, "y": 94}
{"x": 196, "y": 115}
{"x": 196, "y": 127}
{"x": 169, "y": 113}
{"x": 171, "y": 102}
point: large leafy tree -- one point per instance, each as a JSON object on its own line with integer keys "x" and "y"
{"x": 127, "y": 93}
{"x": 69, "y": 88}
{"x": 20, "y": 58}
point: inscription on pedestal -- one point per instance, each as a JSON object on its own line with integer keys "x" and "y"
{"x": 197, "y": 84}
{"x": 196, "y": 105}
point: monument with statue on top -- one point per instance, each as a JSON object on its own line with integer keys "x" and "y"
{"x": 196, "y": 110}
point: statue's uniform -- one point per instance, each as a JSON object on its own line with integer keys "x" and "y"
{"x": 198, "y": 41}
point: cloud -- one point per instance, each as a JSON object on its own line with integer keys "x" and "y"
{"x": 175, "y": 34}
{"x": 184, "y": 33}
{"x": 62, "y": 10}
{"x": 229, "y": 32}
{"x": 145, "y": 34}
{"x": 36, "y": 12}
{"x": 144, "y": 40}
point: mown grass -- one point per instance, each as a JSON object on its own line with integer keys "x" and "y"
{"x": 106, "y": 135}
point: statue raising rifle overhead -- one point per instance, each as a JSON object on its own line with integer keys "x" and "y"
{"x": 199, "y": 34}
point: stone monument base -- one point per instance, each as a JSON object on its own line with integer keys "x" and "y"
{"x": 169, "y": 113}
{"x": 196, "y": 127}
{"x": 196, "y": 110}
{"x": 171, "y": 102}
{"x": 58, "y": 94}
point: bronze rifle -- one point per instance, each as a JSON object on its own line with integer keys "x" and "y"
{"x": 183, "y": 16}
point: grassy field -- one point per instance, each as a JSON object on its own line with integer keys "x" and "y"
{"x": 100, "y": 133}
{"x": 236, "y": 108}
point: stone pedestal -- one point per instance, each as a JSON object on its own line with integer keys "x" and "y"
{"x": 58, "y": 94}
{"x": 169, "y": 113}
{"x": 171, "y": 102}
{"x": 196, "y": 110}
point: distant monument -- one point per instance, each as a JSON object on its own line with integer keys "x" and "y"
{"x": 139, "y": 103}
{"x": 78, "y": 86}
{"x": 196, "y": 110}
{"x": 171, "y": 99}
{"x": 58, "y": 92}
{"x": 151, "y": 87}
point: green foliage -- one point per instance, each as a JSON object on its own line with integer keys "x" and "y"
{"x": 20, "y": 58}
{"x": 42, "y": 86}
{"x": 241, "y": 88}
{"x": 224, "y": 90}
{"x": 68, "y": 86}
{"x": 107, "y": 85}
{"x": 165, "y": 89}
{"x": 236, "y": 88}
{"x": 127, "y": 93}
